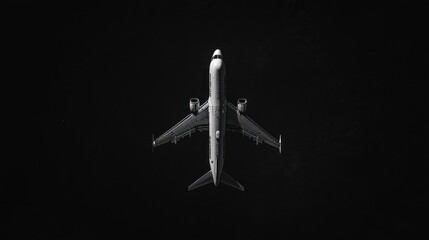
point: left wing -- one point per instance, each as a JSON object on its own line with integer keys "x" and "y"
{"x": 187, "y": 126}
{"x": 239, "y": 122}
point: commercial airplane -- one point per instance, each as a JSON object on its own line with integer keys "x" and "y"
{"x": 217, "y": 116}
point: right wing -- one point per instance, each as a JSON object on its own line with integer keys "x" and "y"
{"x": 238, "y": 122}
{"x": 187, "y": 126}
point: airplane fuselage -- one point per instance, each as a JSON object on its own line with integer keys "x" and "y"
{"x": 217, "y": 117}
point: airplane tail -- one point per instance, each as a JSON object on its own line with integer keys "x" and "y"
{"x": 205, "y": 179}
{"x": 208, "y": 178}
{"x": 228, "y": 180}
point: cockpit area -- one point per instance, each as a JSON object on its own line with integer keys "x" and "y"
{"x": 217, "y": 57}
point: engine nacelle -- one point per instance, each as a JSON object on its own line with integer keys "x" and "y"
{"x": 242, "y": 105}
{"x": 194, "y": 105}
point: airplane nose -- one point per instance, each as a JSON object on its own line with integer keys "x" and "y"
{"x": 217, "y": 52}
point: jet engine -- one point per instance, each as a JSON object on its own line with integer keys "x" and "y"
{"x": 194, "y": 104}
{"x": 242, "y": 105}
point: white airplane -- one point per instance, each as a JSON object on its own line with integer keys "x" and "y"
{"x": 217, "y": 116}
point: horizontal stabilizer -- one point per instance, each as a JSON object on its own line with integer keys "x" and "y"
{"x": 228, "y": 180}
{"x": 205, "y": 179}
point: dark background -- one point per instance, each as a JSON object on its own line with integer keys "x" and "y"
{"x": 85, "y": 85}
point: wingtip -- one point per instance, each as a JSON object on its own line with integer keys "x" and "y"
{"x": 153, "y": 142}
{"x": 240, "y": 187}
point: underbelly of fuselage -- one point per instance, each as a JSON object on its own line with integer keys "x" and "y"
{"x": 217, "y": 117}
{"x": 217, "y": 140}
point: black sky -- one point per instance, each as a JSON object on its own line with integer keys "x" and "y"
{"x": 87, "y": 84}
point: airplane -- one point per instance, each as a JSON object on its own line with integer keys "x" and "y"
{"x": 217, "y": 115}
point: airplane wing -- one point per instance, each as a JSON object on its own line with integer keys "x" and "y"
{"x": 238, "y": 122}
{"x": 187, "y": 126}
